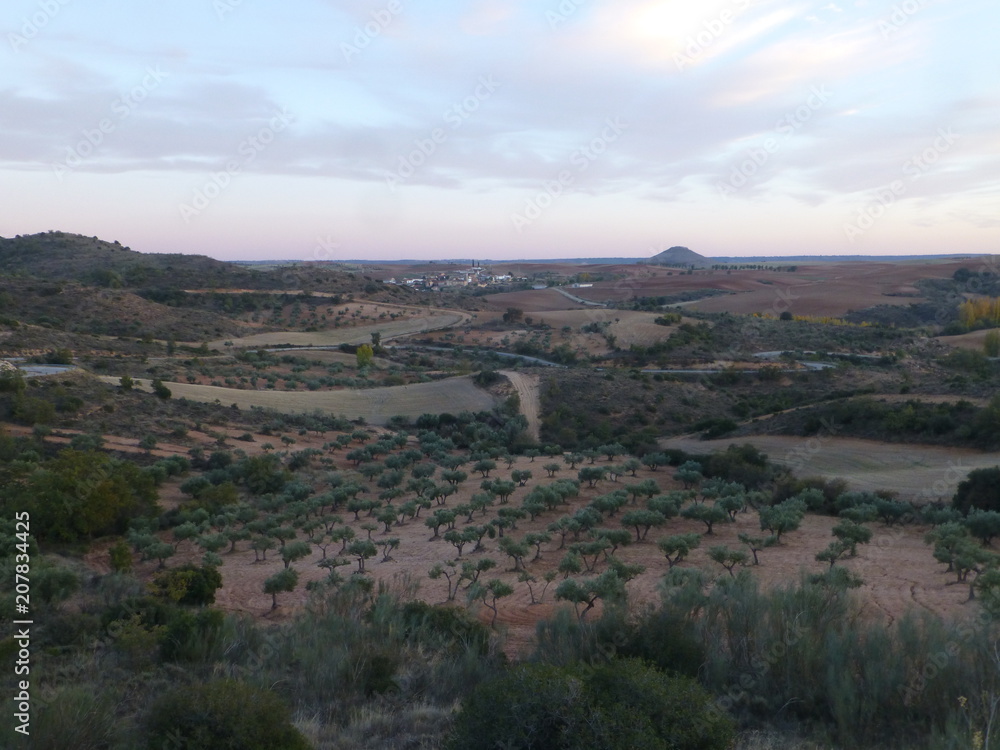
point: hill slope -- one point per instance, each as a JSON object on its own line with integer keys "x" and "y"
{"x": 76, "y": 308}
{"x": 60, "y": 256}
{"x": 680, "y": 256}
{"x": 72, "y": 257}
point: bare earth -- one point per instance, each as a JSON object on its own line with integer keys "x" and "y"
{"x": 535, "y": 300}
{"x": 818, "y": 289}
{"x": 974, "y": 340}
{"x": 898, "y": 569}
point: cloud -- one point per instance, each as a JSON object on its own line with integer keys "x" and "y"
{"x": 563, "y": 68}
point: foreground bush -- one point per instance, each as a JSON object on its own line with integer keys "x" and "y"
{"x": 624, "y": 704}
{"x": 222, "y": 715}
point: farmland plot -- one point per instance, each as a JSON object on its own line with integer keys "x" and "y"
{"x": 910, "y": 470}
{"x": 355, "y": 335}
{"x": 375, "y": 405}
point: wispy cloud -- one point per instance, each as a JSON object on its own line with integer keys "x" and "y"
{"x": 703, "y": 87}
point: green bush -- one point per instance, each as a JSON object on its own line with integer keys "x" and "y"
{"x": 486, "y": 378}
{"x": 221, "y": 715}
{"x": 623, "y": 704}
{"x": 188, "y": 584}
{"x": 80, "y": 495}
{"x": 80, "y": 717}
{"x": 193, "y": 637}
{"x": 980, "y": 490}
{"x": 444, "y": 628}
{"x": 160, "y": 389}
{"x": 30, "y": 410}
{"x": 663, "y": 640}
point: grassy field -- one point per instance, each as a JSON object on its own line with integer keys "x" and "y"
{"x": 374, "y": 405}
{"x": 974, "y": 340}
{"x": 917, "y": 472}
{"x": 627, "y": 326}
{"x": 354, "y": 335}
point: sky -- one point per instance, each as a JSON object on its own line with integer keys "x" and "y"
{"x": 502, "y": 129}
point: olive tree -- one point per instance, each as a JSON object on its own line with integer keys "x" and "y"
{"x": 284, "y": 580}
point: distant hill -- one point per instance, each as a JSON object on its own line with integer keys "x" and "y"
{"x": 680, "y": 256}
{"x": 61, "y": 256}
{"x": 71, "y": 307}
{"x": 738, "y": 259}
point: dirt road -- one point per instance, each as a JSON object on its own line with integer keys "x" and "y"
{"x": 527, "y": 390}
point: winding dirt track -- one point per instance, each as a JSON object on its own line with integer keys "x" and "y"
{"x": 527, "y": 391}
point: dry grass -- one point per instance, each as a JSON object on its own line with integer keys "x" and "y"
{"x": 627, "y": 326}
{"x": 773, "y": 741}
{"x": 353, "y": 335}
{"x": 973, "y": 340}
{"x": 375, "y": 405}
{"x": 375, "y": 726}
{"x": 864, "y": 464}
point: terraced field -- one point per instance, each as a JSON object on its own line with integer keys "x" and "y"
{"x": 917, "y": 472}
{"x": 374, "y": 405}
{"x": 355, "y": 335}
{"x": 627, "y": 326}
{"x": 974, "y": 340}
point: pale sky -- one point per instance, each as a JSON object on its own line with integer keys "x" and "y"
{"x": 328, "y": 129}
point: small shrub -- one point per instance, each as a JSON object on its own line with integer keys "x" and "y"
{"x": 624, "y": 704}
{"x": 222, "y": 715}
